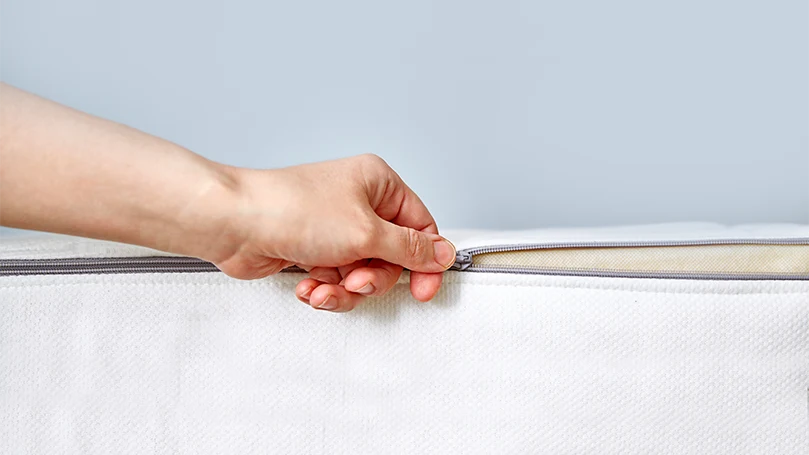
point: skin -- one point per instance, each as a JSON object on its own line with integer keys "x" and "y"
{"x": 353, "y": 224}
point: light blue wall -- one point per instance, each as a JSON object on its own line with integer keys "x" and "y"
{"x": 501, "y": 114}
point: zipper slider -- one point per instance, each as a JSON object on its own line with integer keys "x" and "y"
{"x": 462, "y": 261}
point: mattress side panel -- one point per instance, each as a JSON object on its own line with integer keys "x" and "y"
{"x": 202, "y": 363}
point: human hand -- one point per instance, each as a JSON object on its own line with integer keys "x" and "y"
{"x": 352, "y": 223}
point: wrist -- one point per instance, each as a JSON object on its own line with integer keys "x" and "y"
{"x": 210, "y": 222}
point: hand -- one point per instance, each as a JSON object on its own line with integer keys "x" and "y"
{"x": 352, "y": 223}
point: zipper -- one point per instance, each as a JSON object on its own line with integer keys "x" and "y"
{"x": 465, "y": 261}
{"x": 110, "y": 265}
{"x": 74, "y": 266}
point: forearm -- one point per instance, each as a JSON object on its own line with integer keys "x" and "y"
{"x": 65, "y": 171}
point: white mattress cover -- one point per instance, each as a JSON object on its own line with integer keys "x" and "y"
{"x": 201, "y": 363}
{"x": 45, "y": 246}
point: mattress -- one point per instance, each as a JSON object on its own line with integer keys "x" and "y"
{"x": 684, "y": 338}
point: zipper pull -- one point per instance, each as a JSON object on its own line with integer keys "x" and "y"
{"x": 462, "y": 261}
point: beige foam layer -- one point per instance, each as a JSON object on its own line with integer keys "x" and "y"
{"x": 732, "y": 259}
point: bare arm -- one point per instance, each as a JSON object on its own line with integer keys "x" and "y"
{"x": 351, "y": 222}
{"x": 68, "y": 172}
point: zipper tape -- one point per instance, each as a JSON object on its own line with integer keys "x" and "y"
{"x": 464, "y": 261}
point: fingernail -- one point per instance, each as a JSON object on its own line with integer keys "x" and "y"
{"x": 444, "y": 253}
{"x": 368, "y": 289}
{"x": 329, "y": 304}
{"x": 308, "y": 292}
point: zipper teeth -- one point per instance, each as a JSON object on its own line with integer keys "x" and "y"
{"x": 110, "y": 265}
{"x": 108, "y": 270}
{"x": 68, "y": 266}
{"x": 79, "y": 262}
{"x": 639, "y": 274}
{"x": 629, "y": 244}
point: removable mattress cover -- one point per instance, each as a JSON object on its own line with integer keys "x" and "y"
{"x": 496, "y": 363}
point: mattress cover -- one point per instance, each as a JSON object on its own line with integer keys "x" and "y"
{"x": 511, "y": 359}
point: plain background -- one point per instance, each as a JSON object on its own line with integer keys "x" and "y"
{"x": 500, "y": 114}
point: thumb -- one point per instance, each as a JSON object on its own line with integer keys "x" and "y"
{"x": 415, "y": 250}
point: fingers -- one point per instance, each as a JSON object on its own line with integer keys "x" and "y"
{"x": 379, "y": 277}
{"x": 410, "y": 236}
{"x": 424, "y": 286}
{"x": 330, "y": 297}
{"x": 414, "y": 214}
{"x": 415, "y": 250}
{"x": 304, "y": 289}
{"x": 394, "y": 201}
{"x": 376, "y": 279}
{"x": 346, "y": 269}
{"x": 326, "y": 275}
{"x": 401, "y": 233}
{"x": 363, "y": 278}
{"x": 324, "y": 289}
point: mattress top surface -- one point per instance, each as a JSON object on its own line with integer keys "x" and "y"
{"x": 44, "y": 245}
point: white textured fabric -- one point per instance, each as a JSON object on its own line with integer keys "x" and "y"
{"x": 497, "y": 363}
{"x": 464, "y": 239}
{"x": 54, "y": 246}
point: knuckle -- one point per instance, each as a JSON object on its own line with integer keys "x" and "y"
{"x": 366, "y": 237}
{"x": 387, "y": 279}
{"x": 373, "y": 161}
{"x": 416, "y": 247}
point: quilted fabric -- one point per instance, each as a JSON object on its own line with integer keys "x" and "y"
{"x": 497, "y": 363}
